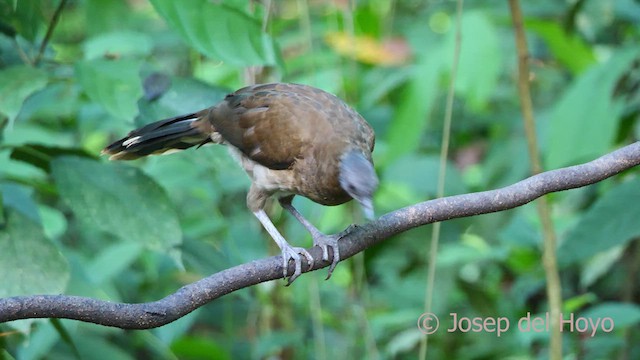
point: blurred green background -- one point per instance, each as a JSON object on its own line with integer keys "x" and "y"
{"x": 71, "y": 222}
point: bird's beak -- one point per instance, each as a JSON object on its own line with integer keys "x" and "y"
{"x": 367, "y": 208}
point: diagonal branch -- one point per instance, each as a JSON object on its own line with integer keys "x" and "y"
{"x": 52, "y": 26}
{"x": 192, "y": 296}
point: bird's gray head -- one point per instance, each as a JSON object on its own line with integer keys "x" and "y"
{"x": 359, "y": 180}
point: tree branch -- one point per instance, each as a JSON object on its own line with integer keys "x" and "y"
{"x": 52, "y": 26}
{"x": 359, "y": 238}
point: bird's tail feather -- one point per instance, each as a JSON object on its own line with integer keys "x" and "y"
{"x": 160, "y": 137}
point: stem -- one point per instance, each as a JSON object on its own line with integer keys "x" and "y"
{"x": 442, "y": 172}
{"x": 549, "y": 256}
{"x": 52, "y": 26}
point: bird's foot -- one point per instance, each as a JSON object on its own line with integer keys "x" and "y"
{"x": 325, "y": 242}
{"x": 293, "y": 253}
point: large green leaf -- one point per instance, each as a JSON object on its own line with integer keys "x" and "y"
{"x": 476, "y": 84}
{"x": 118, "y": 199}
{"x": 20, "y": 198}
{"x": 40, "y": 156}
{"x": 29, "y": 262}
{"x": 569, "y": 49}
{"x": 621, "y": 314}
{"x": 118, "y": 43}
{"x": 218, "y": 31}
{"x": 585, "y": 120}
{"x": 112, "y": 260}
{"x": 25, "y": 16}
{"x": 611, "y": 221}
{"x": 411, "y": 119}
{"x": 102, "y": 16}
{"x": 115, "y": 84}
{"x": 480, "y": 45}
{"x": 16, "y": 84}
{"x": 417, "y": 173}
{"x": 195, "y": 347}
{"x": 58, "y": 100}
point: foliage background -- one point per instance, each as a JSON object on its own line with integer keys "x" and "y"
{"x": 72, "y": 222}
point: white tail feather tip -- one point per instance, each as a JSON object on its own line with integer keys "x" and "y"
{"x": 131, "y": 141}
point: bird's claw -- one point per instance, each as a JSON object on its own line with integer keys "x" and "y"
{"x": 293, "y": 253}
{"x": 320, "y": 240}
{"x": 325, "y": 242}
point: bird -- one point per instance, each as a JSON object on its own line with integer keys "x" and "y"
{"x": 290, "y": 139}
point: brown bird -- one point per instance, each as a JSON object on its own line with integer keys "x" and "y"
{"x": 290, "y": 139}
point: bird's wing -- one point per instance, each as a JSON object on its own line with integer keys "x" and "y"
{"x": 272, "y": 124}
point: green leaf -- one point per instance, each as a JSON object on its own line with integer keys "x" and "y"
{"x": 575, "y": 303}
{"x": 585, "y": 120}
{"x": 273, "y": 342}
{"x": 520, "y": 231}
{"x": 107, "y": 15}
{"x": 600, "y": 265}
{"x": 26, "y": 17}
{"x": 476, "y": 83}
{"x": 119, "y": 44}
{"x": 17, "y": 83}
{"x": 218, "y": 31}
{"x": 622, "y": 314}
{"x": 176, "y": 330}
{"x": 403, "y": 342}
{"x": 407, "y": 128}
{"x": 381, "y": 82}
{"x": 459, "y": 254}
{"x": 611, "y": 221}
{"x": 19, "y": 198}
{"x": 4, "y": 354}
{"x": 94, "y": 346}
{"x": 115, "y": 84}
{"x": 31, "y": 133}
{"x": 40, "y": 156}
{"x": 29, "y": 262}
{"x": 570, "y": 50}
{"x": 58, "y": 100}
{"x": 54, "y": 222}
{"x": 191, "y": 347}
{"x": 118, "y": 199}
{"x": 416, "y": 173}
{"x": 2, "y": 222}
{"x": 112, "y": 260}
{"x": 42, "y": 339}
{"x": 65, "y": 336}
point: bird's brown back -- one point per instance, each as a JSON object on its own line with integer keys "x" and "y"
{"x": 295, "y": 127}
{"x": 275, "y": 124}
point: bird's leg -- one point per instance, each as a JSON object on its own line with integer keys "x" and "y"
{"x": 321, "y": 240}
{"x": 288, "y": 251}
